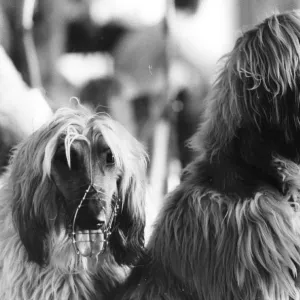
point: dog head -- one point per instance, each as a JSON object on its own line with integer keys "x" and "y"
{"x": 255, "y": 101}
{"x": 69, "y": 178}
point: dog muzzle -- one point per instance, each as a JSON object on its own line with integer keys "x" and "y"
{"x": 92, "y": 242}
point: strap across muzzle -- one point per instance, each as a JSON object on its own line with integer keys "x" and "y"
{"x": 102, "y": 233}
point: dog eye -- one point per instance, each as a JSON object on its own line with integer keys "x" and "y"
{"x": 110, "y": 159}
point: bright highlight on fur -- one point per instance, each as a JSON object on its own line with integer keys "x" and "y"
{"x": 40, "y": 193}
{"x": 231, "y": 229}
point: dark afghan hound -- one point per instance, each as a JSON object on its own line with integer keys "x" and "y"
{"x": 231, "y": 229}
{"x": 71, "y": 210}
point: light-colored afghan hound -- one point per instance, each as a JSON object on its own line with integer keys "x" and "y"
{"x": 231, "y": 229}
{"x": 71, "y": 210}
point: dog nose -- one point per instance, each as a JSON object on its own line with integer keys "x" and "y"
{"x": 101, "y": 219}
{"x": 100, "y": 224}
{"x": 88, "y": 218}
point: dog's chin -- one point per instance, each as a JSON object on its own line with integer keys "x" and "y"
{"x": 89, "y": 243}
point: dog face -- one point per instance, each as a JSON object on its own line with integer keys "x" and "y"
{"x": 73, "y": 176}
{"x": 70, "y": 176}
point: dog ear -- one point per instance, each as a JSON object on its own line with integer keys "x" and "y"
{"x": 33, "y": 209}
{"x": 127, "y": 239}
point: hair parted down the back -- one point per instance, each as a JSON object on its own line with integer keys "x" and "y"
{"x": 231, "y": 229}
{"x": 257, "y": 85}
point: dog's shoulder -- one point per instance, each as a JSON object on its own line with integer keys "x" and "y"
{"x": 227, "y": 177}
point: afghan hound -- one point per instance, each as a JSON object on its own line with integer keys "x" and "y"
{"x": 71, "y": 210}
{"x": 231, "y": 229}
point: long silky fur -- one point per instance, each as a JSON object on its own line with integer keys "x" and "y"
{"x": 231, "y": 229}
{"x": 37, "y": 259}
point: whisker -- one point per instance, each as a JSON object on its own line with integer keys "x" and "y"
{"x": 93, "y": 197}
{"x": 86, "y": 204}
{"x": 88, "y": 199}
{"x": 102, "y": 193}
{"x": 83, "y": 185}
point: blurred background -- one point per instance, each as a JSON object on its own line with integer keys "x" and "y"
{"x": 147, "y": 63}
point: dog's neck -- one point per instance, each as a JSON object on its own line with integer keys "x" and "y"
{"x": 245, "y": 166}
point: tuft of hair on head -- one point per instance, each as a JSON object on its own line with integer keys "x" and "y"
{"x": 72, "y": 135}
{"x": 75, "y": 103}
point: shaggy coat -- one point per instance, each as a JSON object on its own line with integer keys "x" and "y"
{"x": 231, "y": 229}
{"x": 39, "y": 194}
